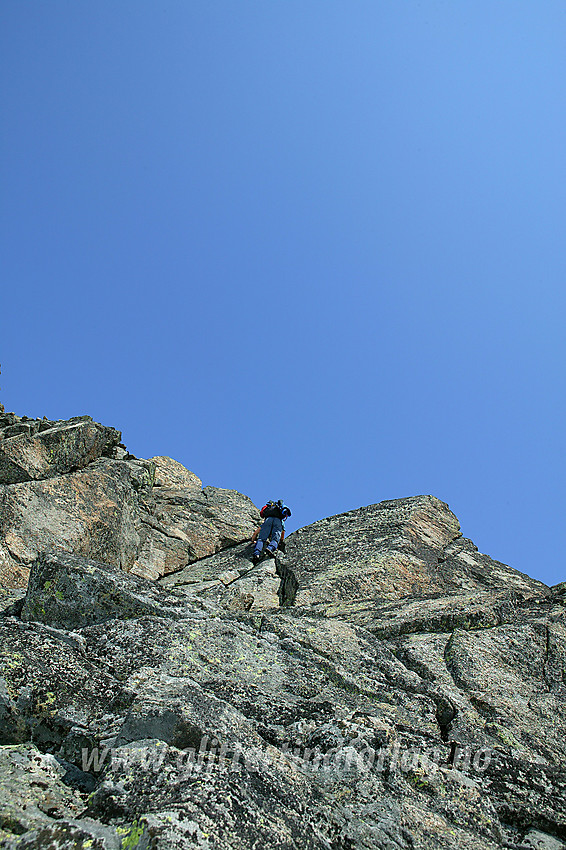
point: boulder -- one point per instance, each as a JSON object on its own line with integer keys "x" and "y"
{"x": 40, "y": 807}
{"x": 112, "y": 512}
{"x": 27, "y": 454}
{"x": 68, "y": 592}
{"x": 171, "y": 474}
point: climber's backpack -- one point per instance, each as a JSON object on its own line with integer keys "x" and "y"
{"x": 271, "y": 509}
{"x": 275, "y": 509}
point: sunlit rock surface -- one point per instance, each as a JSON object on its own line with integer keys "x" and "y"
{"x": 382, "y": 684}
{"x": 71, "y": 486}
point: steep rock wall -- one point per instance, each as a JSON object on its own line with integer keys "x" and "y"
{"x": 71, "y": 486}
{"x": 380, "y": 685}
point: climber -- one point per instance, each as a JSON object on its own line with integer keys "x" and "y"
{"x": 274, "y": 515}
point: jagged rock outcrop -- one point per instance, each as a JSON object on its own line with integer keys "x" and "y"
{"x": 70, "y": 486}
{"x": 184, "y": 522}
{"x": 230, "y": 580}
{"x": 69, "y": 592}
{"x": 35, "y": 449}
{"x": 381, "y": 685}
{"x": 396, "y": 549}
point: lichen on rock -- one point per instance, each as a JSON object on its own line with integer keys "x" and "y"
{"x": 382, "y": 684}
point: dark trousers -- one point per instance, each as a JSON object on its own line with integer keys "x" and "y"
{"x": 271, "y": 527}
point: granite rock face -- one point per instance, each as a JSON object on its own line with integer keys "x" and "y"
{"x": 396, "y": 549}
{"x": 72, "y": 487}
{"x": 69, "y": 592}
{"x": 380, "y": 685}
{"x": 230, "y": 580}
{"x": 38, "y": 449}
{"x": 185, "y": 522}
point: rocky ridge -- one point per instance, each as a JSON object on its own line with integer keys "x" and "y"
{"x": 380, "y": 685}
{"x": 71, "y": 486}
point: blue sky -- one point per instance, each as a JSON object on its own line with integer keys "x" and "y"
{"x": 312, "y": 250}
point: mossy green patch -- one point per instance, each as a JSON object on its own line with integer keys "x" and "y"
{"x": 130, "y": 836}
{"x": 47, "y": 707}
{"x": 504, "y": 735}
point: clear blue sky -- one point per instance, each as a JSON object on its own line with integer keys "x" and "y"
{"x": 312, "y": 250}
